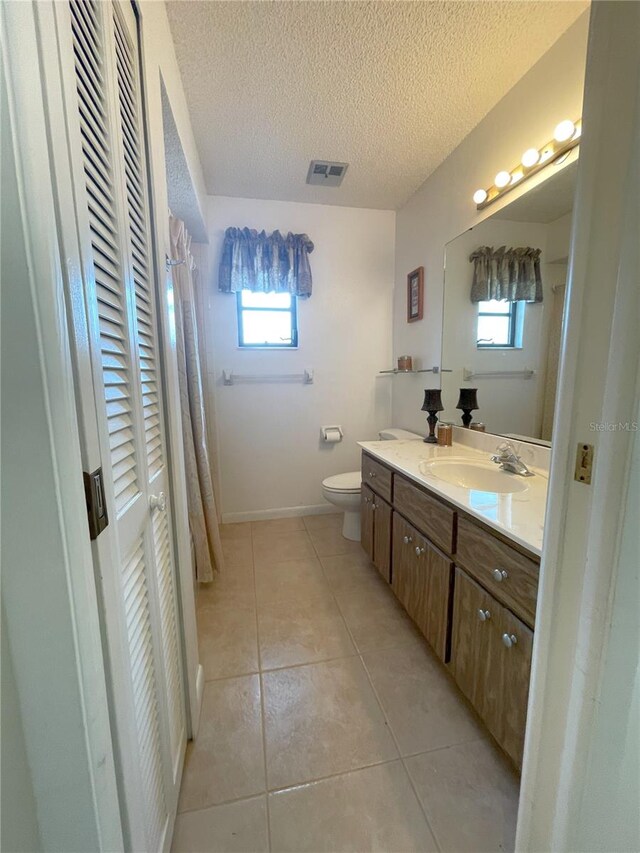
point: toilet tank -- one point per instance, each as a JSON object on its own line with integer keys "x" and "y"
{"x": 393, "y": 434}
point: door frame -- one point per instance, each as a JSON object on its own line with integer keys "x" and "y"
{"x": 598, "y": 383}
{"x": 151, "y": 81}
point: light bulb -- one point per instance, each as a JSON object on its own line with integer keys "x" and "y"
{"x": 502, "y": 179}
{"x": 530, "y": 157}
{"x": 564, "y": 130}
{"x": 479, "y": 196}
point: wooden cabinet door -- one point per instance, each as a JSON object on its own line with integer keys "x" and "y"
{"x": 366, "y": 520}
{"x": 382, "y": 537}
{"x": 491, "y": 662}
{"x": 473, "y": 645}
{"x": 516, "y": 671}
{"x": 421, "y": 579}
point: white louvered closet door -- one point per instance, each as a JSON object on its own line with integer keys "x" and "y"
{"x": 145, "y": 664}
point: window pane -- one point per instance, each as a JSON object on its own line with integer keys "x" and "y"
{"x": 265, "y": 300}
{"x": 494, "y": 330}
{"x": 493, "y": 306}
{"x": 267, "y": 327}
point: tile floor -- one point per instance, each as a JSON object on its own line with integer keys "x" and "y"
{"x": 327, "y": 723}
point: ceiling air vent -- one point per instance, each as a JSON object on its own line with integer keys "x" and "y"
{"x": 326, "y": 174}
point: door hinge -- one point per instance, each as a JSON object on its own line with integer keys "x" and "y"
{"x": 96, "y": 503}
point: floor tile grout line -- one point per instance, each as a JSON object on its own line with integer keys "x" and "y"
{"x": 262, "y": 712}
{"x": 421, "y": 804}
{"x": 266, "y": 671}
{"x": 358, "y": 653}
{"x": 231, "y": 802}
{"x": 305, "y": 783}
{"x": 400, "y": 756}
{"x": 292, "y": 786}
{"x": 387, "y": 722}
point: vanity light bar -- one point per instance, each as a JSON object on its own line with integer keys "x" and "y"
{"x": 565, "y": 137}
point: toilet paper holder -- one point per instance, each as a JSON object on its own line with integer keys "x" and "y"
{"x": 331, "y": 434}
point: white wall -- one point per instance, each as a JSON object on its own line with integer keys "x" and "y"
{"x": 160, "y": 59}
{"x": 269, "y": 451}
{"x": 19, "y": 830}
{"x": 558, "y": 236}
{"x": 442, "y": 208}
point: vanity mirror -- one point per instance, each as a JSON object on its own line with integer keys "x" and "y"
{"x": 495, "y": 340}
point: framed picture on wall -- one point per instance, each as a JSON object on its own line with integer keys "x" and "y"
{"x": 415, "y": 285}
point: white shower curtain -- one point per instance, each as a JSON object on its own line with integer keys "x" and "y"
{"x": 203, "y": 520}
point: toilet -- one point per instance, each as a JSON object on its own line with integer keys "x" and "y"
{"x": 343, "y": 490}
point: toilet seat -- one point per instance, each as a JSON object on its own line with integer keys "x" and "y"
{"x": 344, "y": 483}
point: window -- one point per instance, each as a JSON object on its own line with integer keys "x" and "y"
{"x": 500, "y": 324}
{"x": 267, "y": 320}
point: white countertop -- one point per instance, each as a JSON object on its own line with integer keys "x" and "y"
{"x": 519, "y": 515}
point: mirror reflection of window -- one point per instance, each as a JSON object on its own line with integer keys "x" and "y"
{"x": 500, "y": 324}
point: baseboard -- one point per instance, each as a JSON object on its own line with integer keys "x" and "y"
{"x": 195, "y": 716}
{"x": 281, "y": 512}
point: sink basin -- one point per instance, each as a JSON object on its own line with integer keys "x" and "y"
{"x": 480, "y": 476}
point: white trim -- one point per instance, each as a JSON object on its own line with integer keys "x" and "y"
{"x": 199, "y": 694}
{"x": 599, "y": 369}
{"x": 152, "y": 59}
{"x": 278, "y": 512}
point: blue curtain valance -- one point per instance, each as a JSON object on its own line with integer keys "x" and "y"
{"x": 507, "y": 275}
{"x": 253, "y": 260}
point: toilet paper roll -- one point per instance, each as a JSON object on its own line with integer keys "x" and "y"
{"x": 331, "y": 436}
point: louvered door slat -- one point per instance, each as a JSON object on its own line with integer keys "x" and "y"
{"x": 87, "y": 38}
{"x": 128, "y": 97}
{"x": 171, "y": 648}
{"x": 147, "y": 354}
{"x": 137, "y": 613}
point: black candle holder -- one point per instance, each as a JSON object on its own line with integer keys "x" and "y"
{"x": 468, "y": 402}
{"x": 432, "y": 404}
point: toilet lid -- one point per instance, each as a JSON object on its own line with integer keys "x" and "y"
{"x": 344, "y": 482}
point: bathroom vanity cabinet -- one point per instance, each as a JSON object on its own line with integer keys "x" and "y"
{"x": 471, "y": 593}
{"x": 376, "y": 530}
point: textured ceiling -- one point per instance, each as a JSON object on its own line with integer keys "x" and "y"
{"x": 389, "y": 87}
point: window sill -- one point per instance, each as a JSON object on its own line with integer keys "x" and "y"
{"x": 499, "y": 349}
{"x": 267, "y": 349}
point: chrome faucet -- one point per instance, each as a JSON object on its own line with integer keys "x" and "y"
{"x": 507, "y": 458}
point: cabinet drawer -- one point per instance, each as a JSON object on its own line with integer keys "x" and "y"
{"x": 376, "y": 476}
{"x": 431, "y": 517}
{"x": 505, "y": 572}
